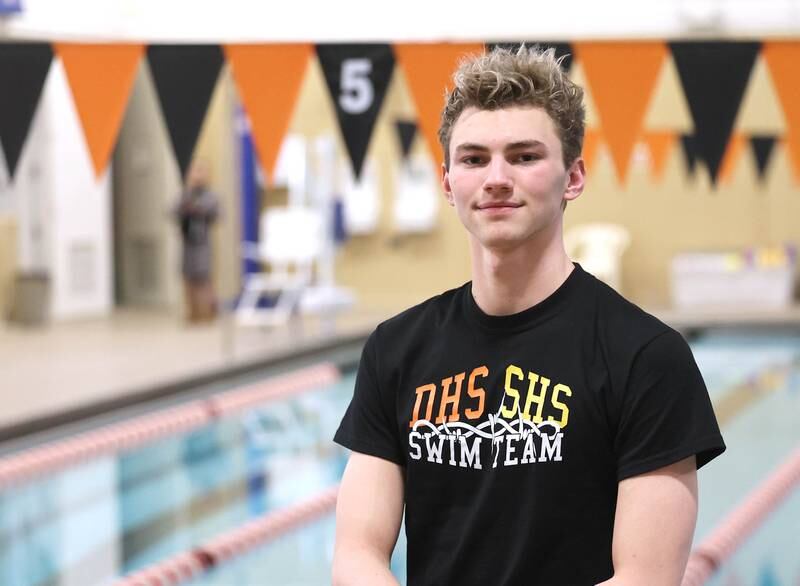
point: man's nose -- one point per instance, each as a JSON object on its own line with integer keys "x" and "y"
{"x": 498, "y": 178}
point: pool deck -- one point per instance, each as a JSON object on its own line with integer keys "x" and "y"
{"x": 67, "y": 371}
{"x": 687, "y": 320}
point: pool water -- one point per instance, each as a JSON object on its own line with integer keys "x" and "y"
{"x": 93, "y": 523}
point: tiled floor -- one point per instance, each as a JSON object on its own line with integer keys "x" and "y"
{"x": 71, "y": 365}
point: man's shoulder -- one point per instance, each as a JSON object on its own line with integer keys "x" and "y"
{"x": 429, "y": 314}
{"x": 623, "y": 321}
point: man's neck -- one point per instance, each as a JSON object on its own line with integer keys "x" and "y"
{"x": 509, "y": 281}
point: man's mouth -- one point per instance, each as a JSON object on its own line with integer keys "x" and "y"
{"x": 499, "y": 205}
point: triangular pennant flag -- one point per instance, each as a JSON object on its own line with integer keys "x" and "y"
{"x": 101, "y": 78}
{"x": 23, "y": 67}
{"x": 406, "y": 131}
{"x": 731, "y": 158}
{"x": 714, "y": 77}
{"x": 563, "y": 50}
{"x": 621, "y": 94}
{"x": 763, "y": 147}
{"x": 185, "y": 77}
{"x": 659, "y": 144}
{"x": 269, "y": 78}
{"x": 689, "y": 149}
{"x": 357, "y": 76}
{"x": 783, "y": 60}
{"x": 591, "y": 144}
{"x": 791, "y": 145}
{"x": 429, "y": 70}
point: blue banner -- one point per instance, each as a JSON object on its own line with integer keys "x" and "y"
{"x": 10, "y": 6}
{"x": 250, "y": 202}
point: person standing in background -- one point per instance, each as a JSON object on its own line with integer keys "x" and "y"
{"x": 196, "y": 211}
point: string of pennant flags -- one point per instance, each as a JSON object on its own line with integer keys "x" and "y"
{"x": 705, "y": 97}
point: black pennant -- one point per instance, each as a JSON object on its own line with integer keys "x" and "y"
{"x": 689, "y": 149}
{"x": 23, "y": 69}
{"x": 714, "y": 76}
{"x": 185, "y": 77}
{"x": 406, "y": 131}
{"x": 357, "y": 77}
{"x": 562, "y": 49}
{"x": 763, "y": 147}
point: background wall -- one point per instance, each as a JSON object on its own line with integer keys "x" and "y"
{"x": 61, "y": 211}
{"x": 81, "y": 212}
{"x": 146, "y": 187}
{"x": 386, "y": 270}
{"x": 667, "y": 216}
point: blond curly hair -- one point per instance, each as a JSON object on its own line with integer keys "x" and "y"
{"x": 528, "y": 76}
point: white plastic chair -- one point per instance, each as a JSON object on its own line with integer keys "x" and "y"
{"x": 599, "y": 248}
{"x": 291, "y": 239}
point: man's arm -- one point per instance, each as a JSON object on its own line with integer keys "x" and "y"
{"x": 654, "y": 526}
{"x": 369, "y": 511}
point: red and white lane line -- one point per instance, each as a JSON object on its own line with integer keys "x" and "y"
{"x": 175, "y": 570}
{"x": 126, "y": 435}
{"x": 236, "y": 542}
{"x": 279, "y": 387}
{"x": 50, "y": 457}
{"x": 720, "y": 545}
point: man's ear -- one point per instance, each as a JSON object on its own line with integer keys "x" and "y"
{"x": 448, "y": 192}
{"x": 576, "y": 180}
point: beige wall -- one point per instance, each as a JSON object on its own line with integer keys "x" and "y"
{"x": 146, "y": 187}
{"x": 217, "y": 145}
{"x": 664, "y": 217}
{"x": 681, "y": 213}
{"x": 387, "y": 271}
{"x": 8, "y": 262}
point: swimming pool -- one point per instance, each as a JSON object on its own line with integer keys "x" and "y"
{"x": 114, "y": 515}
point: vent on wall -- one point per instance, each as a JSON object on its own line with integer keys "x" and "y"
{"x": 144, "y": 257}
{"x": 82, "y": 268}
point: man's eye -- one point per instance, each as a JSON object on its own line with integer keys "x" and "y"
{"x": 472, "y": 160}
{"x": 528, "y": 157}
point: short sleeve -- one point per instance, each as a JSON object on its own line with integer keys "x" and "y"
{"x": 666, "y": 413}
{"x": 368, "y": 424}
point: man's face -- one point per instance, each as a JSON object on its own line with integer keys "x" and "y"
{"x": 507, "y": 179}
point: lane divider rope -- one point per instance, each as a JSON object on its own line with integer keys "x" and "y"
{"x": 742, "y": 521}
{"x": 234, "y": 543}
{"x": 127, "y": 435}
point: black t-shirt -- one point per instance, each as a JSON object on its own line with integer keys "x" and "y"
{"x": 514, "y": 431}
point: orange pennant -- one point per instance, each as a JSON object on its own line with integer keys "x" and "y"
{"x": 733, "y": 153}
{"x": 622, "y": 77}
{"x": 269, "y": 79}
{"x": 659, "y": 144}
{"x": 101, "y": 78}
{"x": 791, "y": 144}
{"x": 591, "y": 144}
{"x": 429, "y": 70}
{"x": 783, "y": 60}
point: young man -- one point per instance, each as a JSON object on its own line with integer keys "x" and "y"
{"x": 537, "y": 427}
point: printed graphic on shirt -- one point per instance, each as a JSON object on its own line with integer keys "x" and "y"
{"x": 527, "y": 427}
